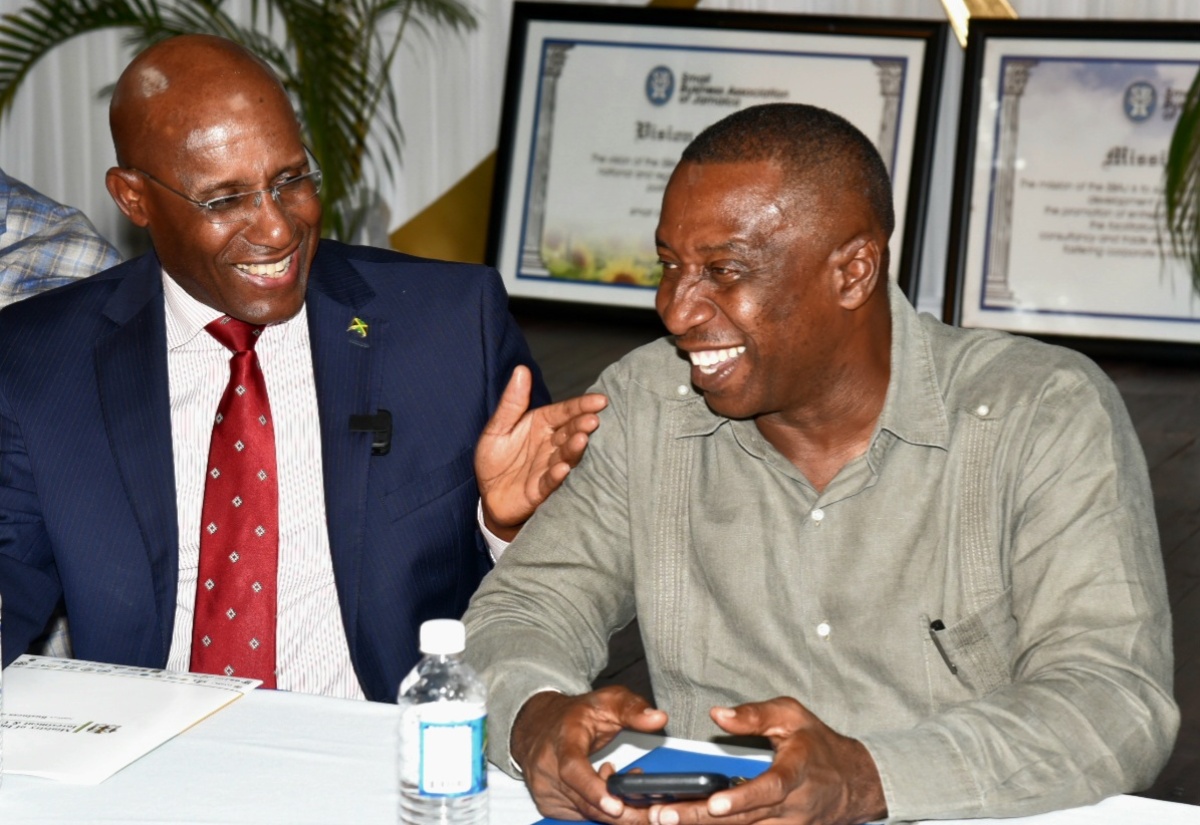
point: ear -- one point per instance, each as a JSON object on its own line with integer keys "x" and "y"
{"x": 858, "y": 265}
{"x": 128, "y": 189}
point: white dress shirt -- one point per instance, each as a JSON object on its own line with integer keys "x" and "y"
{"x": 312, "y": 654}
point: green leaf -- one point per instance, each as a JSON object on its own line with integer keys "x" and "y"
{"x": 335, "y": 62}
{"x": 1181, "y": 185}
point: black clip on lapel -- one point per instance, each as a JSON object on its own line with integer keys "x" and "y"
{"x": 379, "y": 425}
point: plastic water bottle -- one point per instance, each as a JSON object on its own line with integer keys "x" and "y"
{"x": 443, "y": 731}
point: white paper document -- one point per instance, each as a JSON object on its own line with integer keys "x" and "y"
{"x": 81, "y": 722}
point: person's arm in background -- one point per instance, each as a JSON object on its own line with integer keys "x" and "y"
{"x": 44, "y": 244}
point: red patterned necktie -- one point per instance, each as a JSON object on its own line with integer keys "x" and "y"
{"x": 234, "y": 628}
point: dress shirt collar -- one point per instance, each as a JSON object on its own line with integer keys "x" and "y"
{"x": 187, "y": 317}
{"x": 913, "y": 409}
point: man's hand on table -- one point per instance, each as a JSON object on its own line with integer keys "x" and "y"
{"x": 523, "y": 455}
{"x": 553, "y": 738}
{"x": 818, "y": 776}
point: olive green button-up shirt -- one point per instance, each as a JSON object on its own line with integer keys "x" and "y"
{"x": 1004, "y": 495}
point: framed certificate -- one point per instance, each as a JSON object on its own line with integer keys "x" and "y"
{"x": 1058, "y": 197}
{"x": 600, "y": 102}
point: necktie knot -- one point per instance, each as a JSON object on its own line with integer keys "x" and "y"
{"x": 233, "y": 334}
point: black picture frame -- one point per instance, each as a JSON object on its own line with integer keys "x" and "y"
{"x": 1057, "y": 197}
{"x": 908, "y": 54}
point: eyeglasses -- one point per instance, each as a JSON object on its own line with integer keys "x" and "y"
{"x": 243, "y": 206}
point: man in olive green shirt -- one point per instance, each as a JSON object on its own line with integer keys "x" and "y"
{"x": 936, "y": 546}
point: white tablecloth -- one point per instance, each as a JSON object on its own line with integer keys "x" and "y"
{"x": 276, "y": 757}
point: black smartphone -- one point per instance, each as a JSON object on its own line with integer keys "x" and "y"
{"x": 643, "y": 789}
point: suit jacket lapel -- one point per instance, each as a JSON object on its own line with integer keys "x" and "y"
{"x": 131, "y": 377}
{"x": 344, "y": 338}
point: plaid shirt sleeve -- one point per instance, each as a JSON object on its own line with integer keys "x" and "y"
{"x": 44, "y": 244}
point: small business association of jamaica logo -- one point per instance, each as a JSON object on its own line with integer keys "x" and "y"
{"x": 660, "y": 85}
{"x": 1140, "y": 101}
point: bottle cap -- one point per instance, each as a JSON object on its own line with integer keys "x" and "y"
{"x": 443, "y": 637}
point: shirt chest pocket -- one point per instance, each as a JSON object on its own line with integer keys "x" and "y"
{"x": 979, "y": 648}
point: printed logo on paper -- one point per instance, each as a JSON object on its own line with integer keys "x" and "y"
{"x": 660, "y": 85}
{"x": 1141, "y": 99}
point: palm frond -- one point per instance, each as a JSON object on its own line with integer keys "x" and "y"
{"x": 446, "y": 14}
{"x": 335, "y": 62}
{"x": 1182, "y": 184}
{"x": 29, "y": 34}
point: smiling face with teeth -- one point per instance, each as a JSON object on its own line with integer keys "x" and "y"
{"x": 768, "y": 288}
{"x": 208, "y": 119}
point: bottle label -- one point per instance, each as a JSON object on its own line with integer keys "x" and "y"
{"x": 452, "y": 756}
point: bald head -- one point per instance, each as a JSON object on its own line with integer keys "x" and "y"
{"x": 198, "y": 120}
{"x": 819, "y": 151}
{"x": 174, "y": 96}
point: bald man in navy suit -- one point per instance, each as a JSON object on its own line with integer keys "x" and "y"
{"x": 402, "y": 363}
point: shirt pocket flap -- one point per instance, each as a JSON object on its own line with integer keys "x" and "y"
{"x": 980, "y": 645}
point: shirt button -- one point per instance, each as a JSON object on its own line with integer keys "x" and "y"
{"x": 682, "y": 390}
{"x": 823, "y": 630}
{"x": 817, "y": 514}
{"x": 982, "y": 409}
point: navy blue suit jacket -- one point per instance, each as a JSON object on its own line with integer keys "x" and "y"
{"x": 87, "y": 487}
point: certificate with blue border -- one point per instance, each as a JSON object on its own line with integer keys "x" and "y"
{"x": 601, "y": 101}
{"x": 1060, "y": 182}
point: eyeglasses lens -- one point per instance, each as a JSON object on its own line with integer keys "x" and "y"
{"x": 242, "y": 207}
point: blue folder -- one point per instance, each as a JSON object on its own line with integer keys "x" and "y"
{"x": 672, "y": 760}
